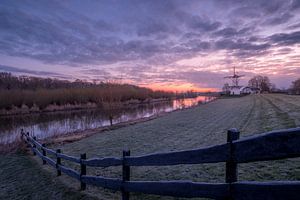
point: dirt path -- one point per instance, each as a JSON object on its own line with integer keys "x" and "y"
{"x": 288, "y": 106}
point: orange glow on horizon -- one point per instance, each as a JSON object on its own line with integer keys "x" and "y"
{"x": 171, "y": 87}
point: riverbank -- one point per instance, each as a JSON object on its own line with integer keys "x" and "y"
{"x": 52, "y": 108}
{"x": 47, "y": 125}
{"x": 198, "y": 127}
{"x": 80, "y": 134}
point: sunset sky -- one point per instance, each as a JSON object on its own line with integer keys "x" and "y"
{"x": 177, "y": 45}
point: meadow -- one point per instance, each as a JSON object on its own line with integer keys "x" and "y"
{"x": 201, "y": 126}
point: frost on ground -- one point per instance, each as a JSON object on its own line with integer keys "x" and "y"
{"x": 194, "y": 128}
{"x": 199, "y": 127}
{"x": 22, "y": 178}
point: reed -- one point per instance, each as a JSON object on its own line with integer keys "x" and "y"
{"x": 99, "y": 94}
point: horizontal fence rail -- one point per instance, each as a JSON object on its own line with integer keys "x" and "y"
{"x": 213, "y": 154}
{"x": 273, "y": 145}
{"x": 269, "y": 146}
{"x": 103, "y": 162}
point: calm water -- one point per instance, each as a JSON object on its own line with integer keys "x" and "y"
{"x": 52, "y": 124}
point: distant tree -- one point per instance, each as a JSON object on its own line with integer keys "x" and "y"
{"x": 261, "y": 82}
{"x": 296, "y": 86}
{"x": 273, "y": 88}
{"x": 226, "y": 87}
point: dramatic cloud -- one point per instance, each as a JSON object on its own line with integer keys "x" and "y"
{"x": 286, "y": 38}
{"x": 4, "y": 68}
{"x": 145, "y": 40}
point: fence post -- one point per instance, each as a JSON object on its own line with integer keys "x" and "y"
{"x": 58, "y": 162}
{"x": 22, "y": 134}
{"x": 44, "y": 153}
{"x": 82, "y": 171}
{"x": 27, "y": 141}
{"x": 34, "y": 146}
{"x": 125, "y": 175}
{"x": 231, "y": 165}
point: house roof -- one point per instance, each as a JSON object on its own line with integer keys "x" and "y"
{"x": 235, "y": 87}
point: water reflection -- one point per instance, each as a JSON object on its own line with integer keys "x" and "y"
{"x": 50, "y": 124}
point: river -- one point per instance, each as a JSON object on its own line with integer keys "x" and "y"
{"x": 44, "y": 125}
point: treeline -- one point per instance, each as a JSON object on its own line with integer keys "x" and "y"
{"x": 295, "y": 88}
{"x": 40, "y": 92}
{"x": 264, "y": 84}
{"x": 10, "y": 82}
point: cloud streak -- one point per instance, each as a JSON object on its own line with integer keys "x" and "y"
{"x": 108, "y": 36}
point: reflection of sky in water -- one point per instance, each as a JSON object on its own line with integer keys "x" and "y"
{"x": 51, "y": 124}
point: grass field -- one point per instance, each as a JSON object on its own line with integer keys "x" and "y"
{"x": 22, "y": 178}
{"x": 202, "y": 126}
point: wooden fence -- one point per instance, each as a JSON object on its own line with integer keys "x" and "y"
{"x": 268, "y": 146}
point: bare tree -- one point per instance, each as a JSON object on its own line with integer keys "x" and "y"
{"x": 296, "y": 86}
{"x": 261, "y": 82}
{"x": 226, "y": 88}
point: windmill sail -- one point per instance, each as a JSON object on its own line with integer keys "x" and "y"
{"x": 234, "y": 78}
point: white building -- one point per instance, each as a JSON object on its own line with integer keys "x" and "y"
{"x": 235, "y": 90}
{"x": 250, "y": 90}
{"x": 241, "y": 90}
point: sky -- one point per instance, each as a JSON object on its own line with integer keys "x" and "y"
{"x": 161, "y": 44}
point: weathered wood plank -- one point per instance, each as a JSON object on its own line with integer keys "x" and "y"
{"x": 69, "y": 158}
{"x": 69, "y": 171}
{"x": 44, "y": 158}
{"x": 49, "y": 161}
{"x": 44, "y": 153}
{"x": 49, "y": 151}
{"x": 82, "y": 171}
{"x": 277, "y": 190}
{"x": 231, "y": 166}
{"x": 102, "y": 162}
{"x": 38, "y": 145}
{"x": 58, "y": 162}
{"x": 109, "y": 183}
{"x": 179, "y": 188}
{"x": 125, "y": 175}
{"x": 38, "y": 153}
{"x": 214, "y": 154}
{"x": 268, "y": 146}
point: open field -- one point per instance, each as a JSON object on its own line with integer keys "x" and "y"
{"x": 22, "y": 178}
{"x": 202, "y": 126}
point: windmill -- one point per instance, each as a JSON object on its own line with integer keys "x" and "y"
{"x": 234, "y": 78}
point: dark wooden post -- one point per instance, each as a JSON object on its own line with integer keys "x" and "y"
{"x": 34, "y": 146}
{"x": 125, "y": 175}
{"x": 22, "y": 134}
{"x": 26, "y": 141}
{"x": 231, "y": 165}
{"x": 82, "y": 170}
{"x": 58, "y": 162}
{"x": 44, "y": 153}
{"x": 111, "y": 119}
